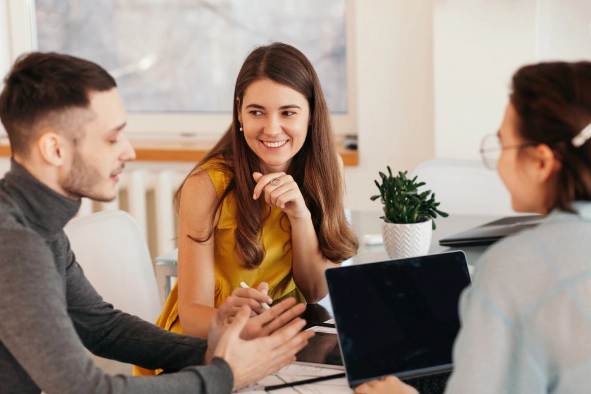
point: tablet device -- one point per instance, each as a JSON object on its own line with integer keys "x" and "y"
{"x": 489, "y": 233}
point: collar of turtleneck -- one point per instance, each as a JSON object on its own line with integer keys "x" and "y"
{"x": 45, "y": 209}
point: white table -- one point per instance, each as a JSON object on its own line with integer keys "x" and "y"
{"x": 363, "y": 223}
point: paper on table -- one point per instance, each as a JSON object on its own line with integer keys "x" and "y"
{"x": 328, "y": 330}
{"x": 300, "y": 371}
{"x": 310, "y": 370}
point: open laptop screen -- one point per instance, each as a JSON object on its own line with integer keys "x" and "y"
{"x": 398, "y": 317}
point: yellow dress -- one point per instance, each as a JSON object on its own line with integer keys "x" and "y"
{"x": 275, "y": 269}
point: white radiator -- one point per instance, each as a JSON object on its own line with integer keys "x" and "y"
{"x": 147, "y": 196}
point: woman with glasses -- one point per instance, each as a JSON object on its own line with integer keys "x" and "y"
{"x": 526, "y": 319}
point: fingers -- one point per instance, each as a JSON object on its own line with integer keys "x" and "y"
{"x": 238, "y": 322}
{"x": 289, "y": 349}
{"x": 263, "y": 287}
{"x": 368, "y": 387}
{"x": 235, "y": 311}
{"x": 287, "y": 353}
{"x": 285, "y": 333}
{"x": 282, "y": 319}
{"x": 226, "y": 309}
{"x": 251, "y": 297}
{"x": 388, "y": 384}
{"x": 362, "y": 389}
{"x": 264, "y": 182}
{"x": 276, "y": 310}
{"x": 283, "y": 194}
{"x": 256, "y": 176}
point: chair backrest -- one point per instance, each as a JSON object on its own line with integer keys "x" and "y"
{"x": 465, "y": 187}
{"x": 113, "y": 253}
{"x": 4, "y": 166}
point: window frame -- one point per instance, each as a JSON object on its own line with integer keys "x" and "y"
{"x": 22, "y": 37}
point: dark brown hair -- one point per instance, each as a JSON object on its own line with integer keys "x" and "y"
{"x": 44, "y": 84}
{"x": 315, "y": 168}
{"x": 553, "y": 103}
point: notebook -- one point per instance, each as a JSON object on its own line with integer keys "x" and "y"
{"x": 489, "y": 233}
{"x": 398, "y": 317}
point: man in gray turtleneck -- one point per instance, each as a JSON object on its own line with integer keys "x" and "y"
{"x": 65, "y": 122}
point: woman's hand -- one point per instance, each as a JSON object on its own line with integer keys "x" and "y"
{"x": 281, "y": 191}
{"x": 252, "y": 298}
{"x": 387, "y": 385}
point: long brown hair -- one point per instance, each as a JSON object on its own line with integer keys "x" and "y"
{"x": 553, "y": 103}
{"x": 315, "y": 168}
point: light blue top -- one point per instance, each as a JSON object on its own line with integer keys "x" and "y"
{"x": 526, "y": 319}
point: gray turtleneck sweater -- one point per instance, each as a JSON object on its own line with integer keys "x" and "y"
{"x": 49, "y": 312}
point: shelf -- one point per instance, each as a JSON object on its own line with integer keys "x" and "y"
{"x": 186, "y": 151}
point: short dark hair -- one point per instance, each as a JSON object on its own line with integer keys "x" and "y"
{"x": 42, "y": 84}
{"x": 553, "y": 103}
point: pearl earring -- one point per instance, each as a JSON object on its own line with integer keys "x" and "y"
{"x": 240, "y": 128}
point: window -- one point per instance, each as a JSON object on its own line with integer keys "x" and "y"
{"x": 176, "y": 61}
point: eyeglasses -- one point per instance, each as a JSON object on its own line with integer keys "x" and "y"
{"x": 491, "y": 149}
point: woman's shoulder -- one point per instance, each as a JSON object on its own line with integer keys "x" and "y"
{"x": 216, "y": 163}
{"x": 524, "y": 267}
{"x": 217, "y": 170}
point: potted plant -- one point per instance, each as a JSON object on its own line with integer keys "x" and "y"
{"x": 408, "y": 215}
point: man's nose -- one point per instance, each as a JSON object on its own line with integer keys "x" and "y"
{"x": 128, "y": 153}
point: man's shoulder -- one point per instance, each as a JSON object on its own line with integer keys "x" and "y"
{"x": 11, "y": 216}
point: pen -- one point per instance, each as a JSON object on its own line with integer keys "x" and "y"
{"x": 245, "y": 286}
{"x": 307, "y": 381}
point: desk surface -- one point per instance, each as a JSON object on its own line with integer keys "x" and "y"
{"x": 370, "y": 223}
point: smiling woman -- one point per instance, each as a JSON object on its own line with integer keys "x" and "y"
{"x": 265, "y": 206}
{"x": 274, "y": 119}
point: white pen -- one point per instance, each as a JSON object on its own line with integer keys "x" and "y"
{"x": 263, "y": 304}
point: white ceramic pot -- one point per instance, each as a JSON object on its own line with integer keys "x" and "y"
{"x": 407, "y": 240}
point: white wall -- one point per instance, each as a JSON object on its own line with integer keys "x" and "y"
{"x": 564, "y": 30}
{"x": 4, "y": 42}
{"x": 478, "y": 45}
{"x": 394, "y": 92}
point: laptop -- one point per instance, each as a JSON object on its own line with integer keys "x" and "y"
{"x": 399, "y": 317}
{"x": 491, "y": 232}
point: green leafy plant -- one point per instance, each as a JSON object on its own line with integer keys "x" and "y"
{"x": 403, "y": 203}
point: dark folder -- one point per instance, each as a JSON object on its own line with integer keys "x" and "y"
{"x": 489, "y": 233}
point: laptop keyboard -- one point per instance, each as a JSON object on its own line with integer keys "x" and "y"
{"x": 429, "y": 384}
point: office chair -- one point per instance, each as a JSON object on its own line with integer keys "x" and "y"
{"x": 113, "y": 253}
{"x": 4, "y": 166}
{"x": 465, "y": 187}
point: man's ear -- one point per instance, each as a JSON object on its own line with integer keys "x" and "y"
{"x": 546, "y": 162}
{"x": 52, "y": 147}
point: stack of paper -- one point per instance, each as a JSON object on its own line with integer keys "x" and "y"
{"x": 301, "y": 371}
